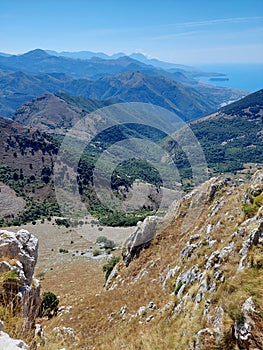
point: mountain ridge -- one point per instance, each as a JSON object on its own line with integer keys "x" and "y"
{"x": 19, "y": 87}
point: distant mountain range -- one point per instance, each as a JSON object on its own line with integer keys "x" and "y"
{"x": 39, "y": 61}
{"x": 230, "y": 138}
{"x": 85, "y": 55}
{"x": 185, "y": 101}
{"x": 24, "y": 77}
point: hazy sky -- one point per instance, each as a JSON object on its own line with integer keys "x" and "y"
{"x": 181, "y": 31}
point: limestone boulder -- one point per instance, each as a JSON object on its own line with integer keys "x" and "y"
{"x": 139, "y": 239}
{"x": 18, "y": 257}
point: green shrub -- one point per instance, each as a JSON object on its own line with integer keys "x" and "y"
{"x": 108, "y": 244}
{"x": 61, "y": 250}
{"x": 49, "y": 305}
{"x": 250, "y": 209}
{"x": 11, "y": 276}
{"x": 61, "y": 222}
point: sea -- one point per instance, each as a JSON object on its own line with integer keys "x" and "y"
{"x": 246, "y": 76}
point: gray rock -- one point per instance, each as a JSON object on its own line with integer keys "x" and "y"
{"x": 215, "y": 187}
{"x": 256, "y": 186}
{"x": 22, "y": 247}
{"x": 193, "y": 238}
{"x": 253, "y": 239}
{"x": 249, "y": 307}
{"x": 142, "y": 311}
{"x": 123, "y": 310}
{"x": 218, "y": 322}
{"x": 213, "y": 260}
{"x": 188, "y": 277}
{"x": 209, "y": 229}
{"x": 114, "y": 273}
{"x": 64, "y": 334}
{"x": 242, "y": 333}
{"x": 170, "y": 274}
{"x": 188, "y": 251}
{"x": 218, "y": 256}
{"x": 8, "y": 343}
{"x": 139, "y": 239}
{"x": 152, "y": 306}
{"x": 19, "y": 252}
{"x": 149, "y": 318}
{"x": 206, "y": 308}
{"x": 242, "y": 330}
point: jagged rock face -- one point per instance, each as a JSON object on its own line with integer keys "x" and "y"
{"x": 22, "y": 247}
{"x": 18, "y": 257}
{"x": 139, "y": 239}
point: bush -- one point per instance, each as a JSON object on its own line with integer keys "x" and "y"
{"x": 11, "y": 276}
{"x": 49, "y": 305}
{"x": 61, "y": 250}
{"x": 61, "y": 222}
{"x": 108, "y": 244}
{"x": 110, "y": 265}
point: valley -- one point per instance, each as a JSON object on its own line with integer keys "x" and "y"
{"x": 133, "y": 192}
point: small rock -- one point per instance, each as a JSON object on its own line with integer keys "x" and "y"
{"x": 170, "y": 274}
{"x": 141, "y": 311}
{"x": 152, "y": 306}
{"x": 123, "y": 311}
{"x": 149, "y": 318}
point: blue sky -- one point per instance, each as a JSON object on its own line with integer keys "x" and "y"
{"x": 181, "y": 31}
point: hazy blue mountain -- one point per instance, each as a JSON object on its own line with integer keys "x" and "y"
{"x": 186, "y": 101}
{"x": 18, "y": 87}
{"x": 85, "y": 55}
{"x": 160, "y": 64}
{"x": 39, "y": 61}
{"x": 137, "y": 56}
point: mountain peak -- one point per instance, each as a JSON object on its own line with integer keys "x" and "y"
{"x": 37, "y": 53}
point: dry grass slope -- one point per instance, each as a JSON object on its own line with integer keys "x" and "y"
{"x": 197, "y": 314}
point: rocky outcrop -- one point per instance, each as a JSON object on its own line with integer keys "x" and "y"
{"x": 139, "y": 239}
{"x": 18, "y": 257}
{"x": 256, "y": 184}
{"x": 7, "y": 343}
{"x": 242, "y": 329}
